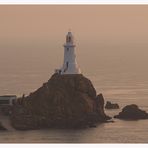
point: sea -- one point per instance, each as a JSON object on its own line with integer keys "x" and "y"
{"x": 120, "y": 74}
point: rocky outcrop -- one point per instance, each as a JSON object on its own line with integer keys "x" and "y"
{"x": 65, "y": 101}
{"x": 110, "y": 105}
{"x": 132, "y": 112}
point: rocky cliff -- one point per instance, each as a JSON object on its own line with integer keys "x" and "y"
{"x": 65, "y": 101}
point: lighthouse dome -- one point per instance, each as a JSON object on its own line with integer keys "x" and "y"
{"x": 69, "y": 38}
{"x": 69, "y": 33}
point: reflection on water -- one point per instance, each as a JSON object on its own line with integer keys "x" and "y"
{"x": 118, "y": 132}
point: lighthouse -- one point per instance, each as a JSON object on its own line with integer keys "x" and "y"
{"x": 70, "y": 65}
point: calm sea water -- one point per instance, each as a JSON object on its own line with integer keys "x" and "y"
{"x": 120, "y": 76}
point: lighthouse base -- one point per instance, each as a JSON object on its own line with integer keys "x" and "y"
{"x": 76, "y": 71}
{"x": 68, "y": 70}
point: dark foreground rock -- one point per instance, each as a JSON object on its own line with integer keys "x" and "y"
{"x": 2, "y": 127}
{"x": 110, "y": 105}
{"x": 65, "y": 101}
{"x": 132, "y": 112}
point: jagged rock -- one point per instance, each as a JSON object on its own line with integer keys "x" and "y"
{"x": 65, "y": 101}
{"x": 110, "y": 105}
{"x": 132, "y": 112}
{"x": 2, "y": 127}
{"x": 100, "y": 105}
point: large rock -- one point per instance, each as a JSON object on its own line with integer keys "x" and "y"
{"x": 110, "y": 105}
{"x": 132, "y": 112}
{"x": 65, "y": 101}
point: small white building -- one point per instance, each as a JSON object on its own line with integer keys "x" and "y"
{"x": 70, "y": 65}
{"x": 7, "y": 99}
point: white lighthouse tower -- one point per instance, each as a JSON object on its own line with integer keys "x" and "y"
{"x": 70, "y": 64}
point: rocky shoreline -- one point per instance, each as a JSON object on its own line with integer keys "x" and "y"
{"x": 65, "y": 101}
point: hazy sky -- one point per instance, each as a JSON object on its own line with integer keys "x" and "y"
{"x": 99, "y": 29}
{"x": 109, "y": 40}
{"x": 99, "y": 24}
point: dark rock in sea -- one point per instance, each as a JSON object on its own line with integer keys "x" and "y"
{"x": 65, "y": 101}
{"x": 132, "y": 112}
{"x": 2, "y": 127}
{"x": 110, "y": 105}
